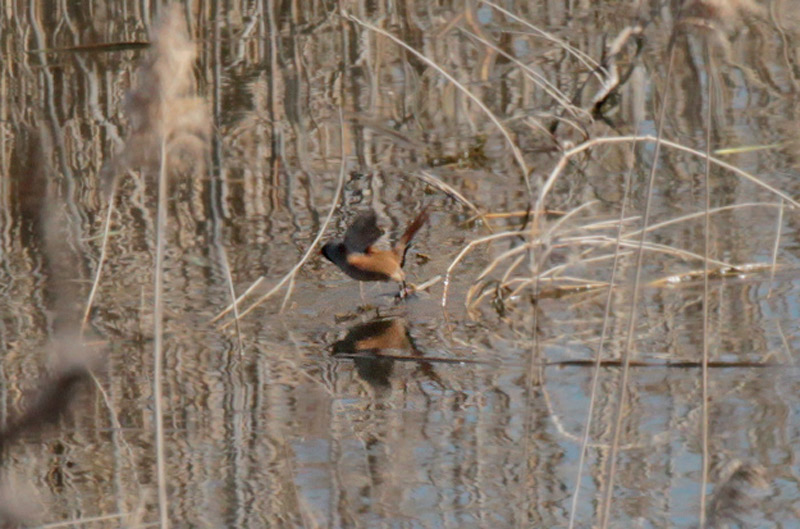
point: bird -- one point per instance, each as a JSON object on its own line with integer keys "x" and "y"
{"x": 357, "y": 258}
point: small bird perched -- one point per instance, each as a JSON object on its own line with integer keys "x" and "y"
{"x": 358, "y": 259}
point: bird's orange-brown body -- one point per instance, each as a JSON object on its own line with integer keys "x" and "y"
{"x": 356, "y": 257}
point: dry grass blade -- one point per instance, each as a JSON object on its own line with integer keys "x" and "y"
{"x": 661, "y": 248}
{"x": 787, "y": 350}
{"x": 506, "y": 134}
{"x": 514, "y": 252}
{"x": 748, "y": 149}
{"x": 289, "y": 277}
{"x": 717, "y": 273}
{"x": 724, "y": 269}
{"x": 227, "y": 310}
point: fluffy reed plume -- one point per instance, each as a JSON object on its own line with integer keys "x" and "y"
{"x": 169, "y": 126}
{"x": 738, "y": 498}
{"x": 72, "y": 361}
{"x": 162, "y": 107}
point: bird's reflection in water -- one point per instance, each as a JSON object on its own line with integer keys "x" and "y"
{"x": 374, "y": 347}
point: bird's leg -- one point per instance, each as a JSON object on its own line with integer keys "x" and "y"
{"x": 361, "y": 292}
{"x": 403, "y": 294}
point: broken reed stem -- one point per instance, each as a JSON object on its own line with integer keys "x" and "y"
{"x": 158, "y": 338}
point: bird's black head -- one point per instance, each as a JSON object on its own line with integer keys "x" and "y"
{"x": 334, "y": 252}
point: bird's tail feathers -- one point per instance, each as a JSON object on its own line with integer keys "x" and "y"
{"x": 403, "y": 244}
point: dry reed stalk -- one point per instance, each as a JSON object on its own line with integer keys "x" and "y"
{"x": 599, "y": 353}
{"x": 706, "y": 252}
{"x": 161, "y": 105}
{"x": 627, "y": 350}
{"x": 717, "y": 273}
{"x": 170, "y": 128}
{"x": 158, "y": 339}
{"x": 100, "y": 261}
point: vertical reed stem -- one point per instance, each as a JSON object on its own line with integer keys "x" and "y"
{"x": 706, "y": 301}
{"x": 158, "y": 353}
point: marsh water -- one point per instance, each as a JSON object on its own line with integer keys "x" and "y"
{"x": 335, "y": 404}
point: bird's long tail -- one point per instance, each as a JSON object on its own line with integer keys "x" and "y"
{"x": 402, "y": 245}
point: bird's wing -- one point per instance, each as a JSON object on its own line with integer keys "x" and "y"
{"x": 362, "y": 233}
